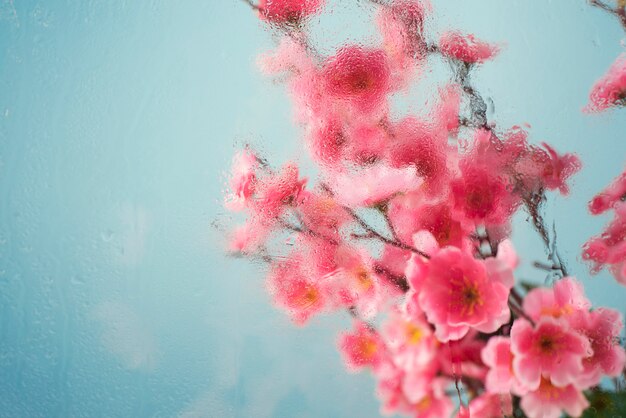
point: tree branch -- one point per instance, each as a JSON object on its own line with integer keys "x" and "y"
{"x": 252, "y": 5}
{"x": 383, "y": 238}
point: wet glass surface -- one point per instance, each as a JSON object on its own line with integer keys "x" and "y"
{"x": 118, "y": 124}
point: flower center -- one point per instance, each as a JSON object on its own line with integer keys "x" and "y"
{"x": 546, "y": 344}
{"x": 414, "y": 334}
{"x": 471, "y": 297}
{"x": 308, "y": 297}
{"x": 363, "y": 279}
{"x": 366, "y": 348}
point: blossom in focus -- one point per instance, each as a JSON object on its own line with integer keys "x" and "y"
{"x": 287, "y": 11}
{"x": 466, "y": 48}
{"x": 550, "y": 350}
{"x": 610, "y": 89}
{"x": 456, "y": 292}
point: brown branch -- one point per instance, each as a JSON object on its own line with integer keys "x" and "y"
{"x": 383, "y": 238}
{"x": 532, "y": 204}
{"x": 396, "y": 280}
{"x": 252, "y": 5}
{"x": 519, "y": 311}
{"x": 306, "y": 230}
{"x": 619, "y": 12}
{"x": 602, "y": 6}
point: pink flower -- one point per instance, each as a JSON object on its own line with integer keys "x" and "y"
{"x": 287, "y": 11}
{"x": 462, "y": 357}
{"x": 466, "y": 48}
{"x": 447, "y": 111}
{"x": 367, "y": 143}
{"x": 610, "y": 90}
{"x": 327, "y": 141}
{"x": 551, "y": 350}
{"x": 296, "y": 290}
{"x": 356, "y": 284}
{"x": 389, "y": 390}
{"x": 431, "y": 399}
{"x": 500, "y": 377}
{"x": 549, "y": 401}
{"x": 362, "y": 348}
{"x": 417, "y": 144}
{"x": 417, "y": 383}
{"x": 372, "y": 185}
{"x": 275, "y": 192}
{"x": 410, "y": 340}
{"x": 321, "y": 213}
{"x": 611, "y": 196}
{"x": 394, "y": 259}
{"x": 602, "y": 327}
{"x": 436, "y": 404}
{"x": 482, "y": 196}
{"x": 457, "y": 292}
{"x": 289, "y": 57}
{"x": 566, "y": 297}
{"x": 411, "y": 213}
{"x": 401, "y": 27}
{"x": 558, "y": 168}
{"x": 242, "y": 181}
{"x": 357, "y": 76}
{"x": 247, "y": 237}
{"x": 488, "y": 406}
{"x": 609, "y": 249}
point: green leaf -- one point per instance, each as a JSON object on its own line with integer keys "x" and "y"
{"x": 605, "y": 404}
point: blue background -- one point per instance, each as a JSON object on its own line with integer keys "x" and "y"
{"x": 118, "y": 120}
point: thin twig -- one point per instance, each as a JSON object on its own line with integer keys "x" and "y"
{"x": 618, "y": 12}
{"x": 602, "y": 5}
{"x": 399, "y": 281}
{"x": 383, "y": 238}
{"x": 252, "y": 5}
{"x": 532, "y": 205}
{"x": 520, "y": 312}
{"x": 394, "y": 233}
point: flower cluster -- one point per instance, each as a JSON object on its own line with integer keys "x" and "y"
{"x": 610, "y": 90}
{"x": 609, "y": 249}
{"x": 408, "y": 228}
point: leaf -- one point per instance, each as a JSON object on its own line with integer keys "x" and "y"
{"x": 605, "y": 404}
